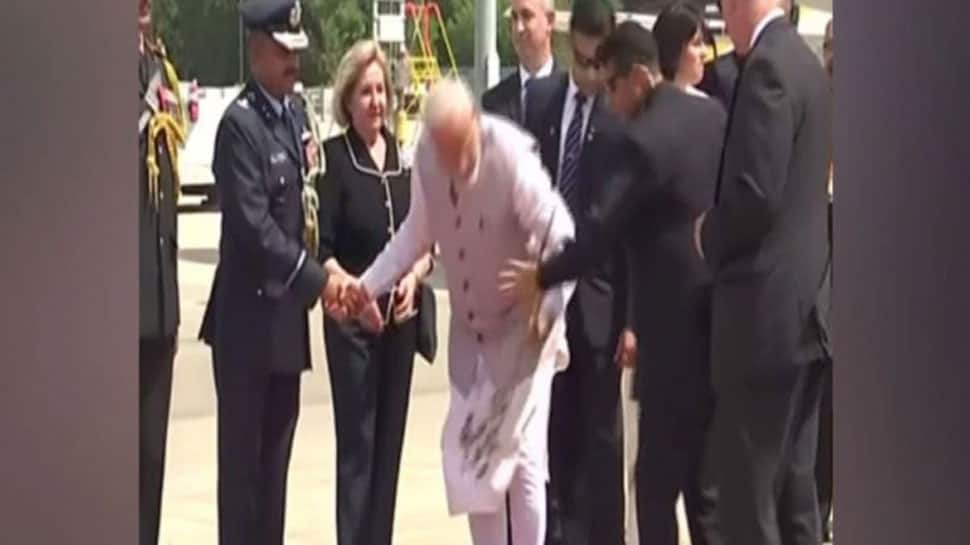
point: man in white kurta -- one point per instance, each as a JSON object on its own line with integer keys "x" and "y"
{"x": 479, "y": 191}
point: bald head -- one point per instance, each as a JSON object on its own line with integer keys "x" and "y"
{"x": 532, "y": 28}
{"x": 449, "y": 101}
{"x": 451, "y": 119}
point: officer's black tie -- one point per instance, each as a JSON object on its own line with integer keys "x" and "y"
{"x": 571, "y": 150}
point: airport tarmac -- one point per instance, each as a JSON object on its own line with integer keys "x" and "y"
{"x": 189, "y": 513}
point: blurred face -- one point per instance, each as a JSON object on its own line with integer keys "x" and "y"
{"x": 456, "y": 144}
{"x": 531, "y": 31}
{"x": 690, "y": 69}
{"x": 144, "y": 15}
{"x": 586, "y": 70}
{"x": 275, "y": 67}
{"x": 734, "y": 24}
{"x": 367, "y": 102}
{"x": 622, "y": 91}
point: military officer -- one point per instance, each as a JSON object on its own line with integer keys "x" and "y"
{"x": 160, "y": 134}
{"x": 266, "y": 281}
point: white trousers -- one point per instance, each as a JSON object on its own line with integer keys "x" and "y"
{"x": 527, "y": 505}
{"x": 527, "y": 491}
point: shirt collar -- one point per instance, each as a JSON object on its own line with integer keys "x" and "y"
{"x": 573, "y": 89}
{"x": 273, "y": 101}
{"x": 544, "y": 71}
{"x": 571, "y": 92}
{"x": 771, "y": 16}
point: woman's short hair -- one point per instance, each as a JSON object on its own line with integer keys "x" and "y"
{"x": 349, "y": 71}
{"x": 674, "y": 29}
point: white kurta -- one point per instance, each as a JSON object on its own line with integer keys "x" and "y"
{"x": 506, "y": 214}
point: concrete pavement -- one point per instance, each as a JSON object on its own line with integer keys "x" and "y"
{"x": 189, "y": 500}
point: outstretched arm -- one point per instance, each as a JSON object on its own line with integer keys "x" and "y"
{"x": 412, "y": 241}
{"x": 604, "y": 224}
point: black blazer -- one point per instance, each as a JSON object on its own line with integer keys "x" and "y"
{"x": 661, "y": 176}
{"x": 766, "y": 238}
{"x": 158, "y": 294}
{"x": 505, "y": 98}
{"x": 357, "y": 204}
{"x": 601, "y": 307}
{"x": 265, "y": 281}
{"x": 720, "y": 77}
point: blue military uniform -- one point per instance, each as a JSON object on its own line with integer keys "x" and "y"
{"x": 266, "y": 281}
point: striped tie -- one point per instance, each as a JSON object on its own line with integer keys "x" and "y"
{"x": 570, "y": 158}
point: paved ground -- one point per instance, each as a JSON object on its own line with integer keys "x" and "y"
{"x": 189, "y": 503}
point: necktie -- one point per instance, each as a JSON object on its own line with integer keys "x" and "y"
{"x": 570, "y": 159}
{"x": 523, "y": 95}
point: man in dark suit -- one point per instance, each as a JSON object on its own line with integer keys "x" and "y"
{"x": 532, "y": 27}
{"x": 266, "y": 280}
{"x": 765, "y": 241}
{"x": 660, "y": 175}
{"x": 160, "y": 134}
{"x": 721, "y": 72}
{"x": 720, "y": 76}
{"x": 566, "y": 113}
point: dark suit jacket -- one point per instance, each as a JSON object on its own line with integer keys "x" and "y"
{"x": 766, "y": 238}
{"x": 600, "y": 308}
{"x": 720, "y": 77}
{"x": 505, "y": 99}
{"x": 158, "y": 295}
{"x": 265, "y": 282}
{"x": 661, "y": 176}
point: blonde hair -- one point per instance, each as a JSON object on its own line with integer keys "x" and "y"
{"x": 353, "y": 64}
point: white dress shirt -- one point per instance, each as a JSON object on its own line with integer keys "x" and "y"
{"x": 691, "y": 90}
{"x": 771, "y": 16}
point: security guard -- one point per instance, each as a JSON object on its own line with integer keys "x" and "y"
{"x": 160, "y": 135}
{"x": 266, "y": 281}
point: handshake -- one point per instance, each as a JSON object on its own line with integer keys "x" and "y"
{"x": 344, "y": 297}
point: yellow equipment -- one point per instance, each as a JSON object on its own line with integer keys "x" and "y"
{"x": 423, "y": 66}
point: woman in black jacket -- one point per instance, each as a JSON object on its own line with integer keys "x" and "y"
{"x": 364, "y": 197}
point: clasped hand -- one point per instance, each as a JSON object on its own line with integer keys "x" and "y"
{"x": 344, "y": 297}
